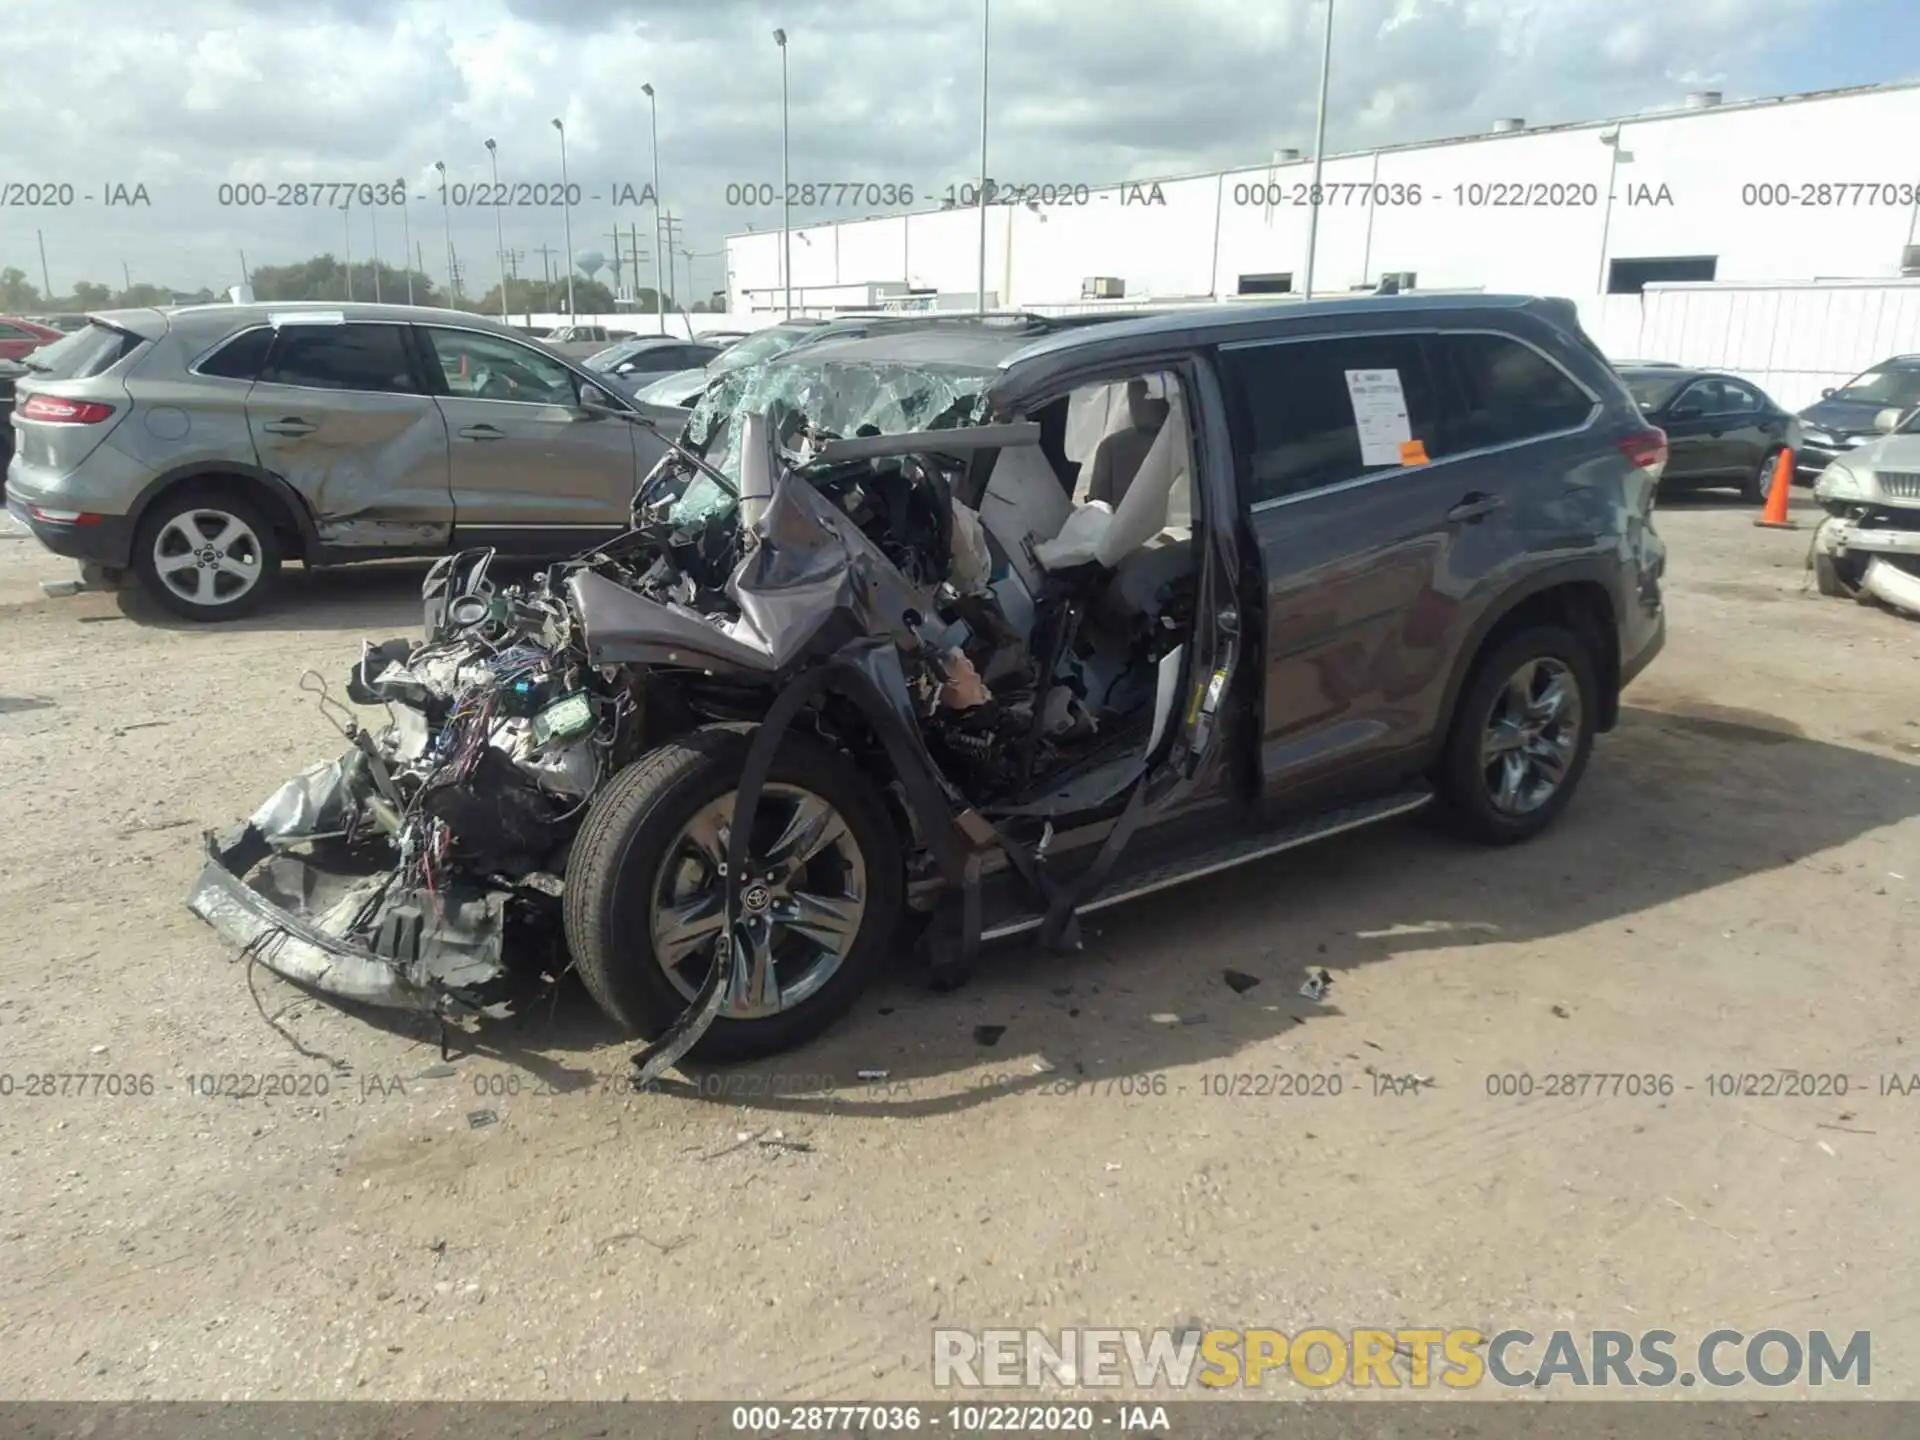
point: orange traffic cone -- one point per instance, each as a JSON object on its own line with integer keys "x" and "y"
{"x": 1774, "y": 517}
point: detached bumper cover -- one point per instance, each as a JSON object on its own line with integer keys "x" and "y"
{"x": 1838, "y": 534}
{"x": 439, "y": 952}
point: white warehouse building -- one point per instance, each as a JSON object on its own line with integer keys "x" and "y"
{"x": 1798, "y": 188}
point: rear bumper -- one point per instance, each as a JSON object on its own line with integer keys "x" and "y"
{"x": 107, "y": 540}
{"x": 1654, "y": 641}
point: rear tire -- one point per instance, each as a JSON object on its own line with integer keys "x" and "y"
{"x": 633, "y": 849}
{"x": 207, "y": 554}
{"x": 1493, "y": 737}
{"x": 1760, "y": 483}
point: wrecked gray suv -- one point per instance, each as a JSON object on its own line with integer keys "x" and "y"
{"x": 943, "y": 636}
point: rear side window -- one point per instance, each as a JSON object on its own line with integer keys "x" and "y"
{"x": 84, "y": 354}
{"x": 1501, "y": 391}
{"x": 242, "y": 357}
{"x": 341, "y": 357}
{"x": 1296, "y": 409}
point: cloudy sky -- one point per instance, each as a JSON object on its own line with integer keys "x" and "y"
{"x": 183, "y": 95}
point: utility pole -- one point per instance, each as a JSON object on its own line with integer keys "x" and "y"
{"x": 615, "y": 233}
{"x": 672, "y": 225}
{"x": 127, "y": 275}
{"x": 546, "y": 280}
{"x": 514, "y": 257}
{"x": 246, "y": 277}
{"x": 46, "y": 284}
{"x": 420, "y": 255}
{"x": 633, "y": 233}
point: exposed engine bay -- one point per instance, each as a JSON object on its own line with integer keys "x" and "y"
{"x": 425, "y": 867}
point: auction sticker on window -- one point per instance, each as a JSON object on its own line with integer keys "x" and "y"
{"x": 1379, "y": 415}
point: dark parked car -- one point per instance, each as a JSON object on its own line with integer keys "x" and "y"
{"x": 992, "y": 626}
{"x": 1721, "y": 430}
{"x": 1845, "y": 418}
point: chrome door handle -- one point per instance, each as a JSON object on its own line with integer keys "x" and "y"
{"x": 290, "y": 425}
{"x": 482, "y": 432}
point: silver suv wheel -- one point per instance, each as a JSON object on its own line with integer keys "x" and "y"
{"x": 208, "y": 556}
{"x": 1530, "y": 736}
{"x": 804, "y": 900}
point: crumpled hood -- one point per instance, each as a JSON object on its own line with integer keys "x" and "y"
{"x": 810, "y": 582}
{"x": 1890, "y": 452}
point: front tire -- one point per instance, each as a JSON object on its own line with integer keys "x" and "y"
{"x": 1836, "y": 577}
{"x": 1520, "y": 737}
{"x": 207, "y": 555}
{"x": 645, "y": 901}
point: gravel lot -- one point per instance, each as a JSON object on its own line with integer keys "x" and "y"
{"x": 1734, "y": 891}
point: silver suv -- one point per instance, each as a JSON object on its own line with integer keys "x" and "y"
{"x": 199, "y": 447}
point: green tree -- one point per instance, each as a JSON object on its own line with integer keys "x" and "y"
{"x": 15, "y": 293}
{"x": 144, "y": 294}
{"x": 91, "y": 295}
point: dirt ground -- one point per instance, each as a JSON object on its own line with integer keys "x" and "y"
{"x": 1734, "y": 891}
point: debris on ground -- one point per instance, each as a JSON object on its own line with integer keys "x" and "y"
{"x": 1239, "y": 981}
{"x": 988, "y": 1034}
{"x": 1317, "y": 983}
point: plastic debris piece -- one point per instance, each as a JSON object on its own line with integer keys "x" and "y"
{"x": 1317, "y": 983}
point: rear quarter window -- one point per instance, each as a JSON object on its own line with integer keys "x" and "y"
{"x": 1498, "y": 391}
{"x": 241, "y": 357}
{"x": 85, "y": 353}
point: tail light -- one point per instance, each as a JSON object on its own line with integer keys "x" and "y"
{"x": 1647, "y": 449}
{"x": 56, "y": 411}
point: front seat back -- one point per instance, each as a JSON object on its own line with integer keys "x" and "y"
{"x": 1142, "y": 512}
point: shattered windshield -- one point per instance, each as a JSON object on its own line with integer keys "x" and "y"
{"x": 824, "y": 400}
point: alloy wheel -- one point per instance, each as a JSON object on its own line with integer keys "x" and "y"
{"x": 1531, "y": 736}
{"x": 208, "y": 556}
{"x": 802, "y": 901}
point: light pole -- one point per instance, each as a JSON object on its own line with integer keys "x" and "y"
{"x": 1319, "y": 151}
{"x": 786, "y": 206}
{"x": 347, "y": 241}
{"x": 1609, "y": 137}
{"x": 566, "y": 211}
{"x": 499, "y": 234}
{"x": 446, "y": 210}
{"x": 985, "y": 8}
{"x": 659, "y": 291}
{"x": 406, "y": 239}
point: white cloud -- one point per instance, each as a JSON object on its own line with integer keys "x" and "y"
{"x": 190, "y": 93}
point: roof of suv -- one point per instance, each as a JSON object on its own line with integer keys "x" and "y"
{"x": 1219, "y": 321}
{"x": 220, "y": 318}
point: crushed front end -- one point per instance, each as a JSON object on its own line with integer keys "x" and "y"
{"x": 420, "y": 869}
